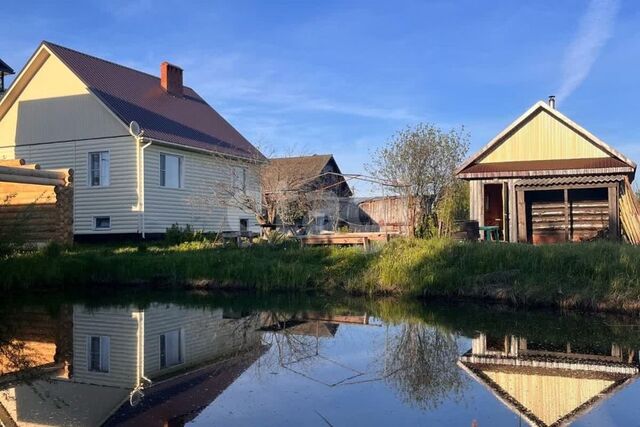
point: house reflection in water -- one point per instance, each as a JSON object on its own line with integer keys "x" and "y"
{"x": 548, "y": 384}
{"x": 84, "y": 366}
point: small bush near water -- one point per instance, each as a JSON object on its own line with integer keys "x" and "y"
{"x": 601, "y": 275}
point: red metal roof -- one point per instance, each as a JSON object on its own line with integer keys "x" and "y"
{"x": 547, "y": 165}
{"x": 136, "y": 96}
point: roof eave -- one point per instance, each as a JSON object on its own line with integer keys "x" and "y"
{"x": 549, "y": 172}
{"x": 258, "y": 159}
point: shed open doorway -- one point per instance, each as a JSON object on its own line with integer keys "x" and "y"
{"x": 495, "y": 200}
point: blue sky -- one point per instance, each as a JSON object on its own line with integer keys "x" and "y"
{"x": 342, "y": 76}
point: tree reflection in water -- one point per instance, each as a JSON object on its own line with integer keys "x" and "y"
{"x": 420, "y": 363}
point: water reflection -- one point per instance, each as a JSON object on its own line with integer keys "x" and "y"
{"x": 77, "y": 367}
{"x": 344, "y": 363}
{"x": 548, "y": 383}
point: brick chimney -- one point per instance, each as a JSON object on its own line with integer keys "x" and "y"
{"x": 171, "y": 78}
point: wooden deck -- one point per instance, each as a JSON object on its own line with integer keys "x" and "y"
{"x": 346, "y": 239}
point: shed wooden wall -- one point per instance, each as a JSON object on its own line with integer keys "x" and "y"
{"x": 476, "y": 203}
{"x": 389, "y": 213}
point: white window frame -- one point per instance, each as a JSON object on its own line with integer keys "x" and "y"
{"x": 180, "y": 170}
{"x": 105, "y": 344}
{"x": 181, "y": 348}
{"x": 105, "y": 175}
{"x": 95, "y": 223}
{"x": 239, "y": 178}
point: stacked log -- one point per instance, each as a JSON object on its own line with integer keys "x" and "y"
{"x": 36, "y": 205}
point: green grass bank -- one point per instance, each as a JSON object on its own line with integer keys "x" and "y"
{"x": 599, "y": 275}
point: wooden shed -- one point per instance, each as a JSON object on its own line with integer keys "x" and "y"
{"x": 36, "y": 205}
{"x": 547, "y": 179}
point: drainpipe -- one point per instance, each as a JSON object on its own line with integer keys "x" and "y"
{"x": 141, "y": 380}
{"x": 137, "y": 133}
{"x": 141, "y": 201}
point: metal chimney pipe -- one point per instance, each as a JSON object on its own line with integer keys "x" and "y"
{"x": 552, "y": 101}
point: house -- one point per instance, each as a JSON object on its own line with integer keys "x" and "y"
{"x": 147, "y": 151}
{"x": 317, "y": 179}
{"x": 547, "y": 179}
{"x": 5, "y": 70}
{"x": 548, "y": 383}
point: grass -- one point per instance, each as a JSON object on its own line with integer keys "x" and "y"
{"x": 599, "y": 275}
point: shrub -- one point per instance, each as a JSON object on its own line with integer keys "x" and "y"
{"x": 177, "y": 234}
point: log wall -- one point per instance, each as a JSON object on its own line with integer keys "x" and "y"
{"x": 37, "y": 210}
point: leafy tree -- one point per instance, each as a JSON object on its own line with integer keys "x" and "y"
{"x": 420, "y": 162}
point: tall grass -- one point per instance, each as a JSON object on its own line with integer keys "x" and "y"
{"x": 603, "y": 275}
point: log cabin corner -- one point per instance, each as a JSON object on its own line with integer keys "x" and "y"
{"x": 546, "y": 179}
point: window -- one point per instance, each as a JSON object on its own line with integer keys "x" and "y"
{"x": 99, "y": 169}
{"x": 98, "y": 357}
{"x": 170, "y": 171}
{"x": 102, "y": 222}
{"x": 244, "y": 224}
{"x": 171, "y": 348}
{"x": 239, "y": 179}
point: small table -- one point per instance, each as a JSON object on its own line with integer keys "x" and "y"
{"x": 491, "y": 232}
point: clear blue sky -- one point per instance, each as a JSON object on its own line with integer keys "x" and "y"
{"x": 341, "y": 76}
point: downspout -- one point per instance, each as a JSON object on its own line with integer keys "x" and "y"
{"x": 137, "y": 133}
{"x": 141, "y": 202}
{"x": 141, "y": 380}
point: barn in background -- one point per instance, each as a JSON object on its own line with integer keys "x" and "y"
{"x": 546, "y": 179}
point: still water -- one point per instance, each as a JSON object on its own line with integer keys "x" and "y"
{"x": 244, "y": 360}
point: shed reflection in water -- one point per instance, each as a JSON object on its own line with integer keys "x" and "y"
{"x": 170, "y": 364}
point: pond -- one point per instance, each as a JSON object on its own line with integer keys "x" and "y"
{"x": 158, "y": 359}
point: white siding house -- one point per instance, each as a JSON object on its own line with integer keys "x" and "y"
{"x": 70, "y": 110}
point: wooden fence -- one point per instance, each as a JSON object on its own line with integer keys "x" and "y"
{"x": 36, "y": 205}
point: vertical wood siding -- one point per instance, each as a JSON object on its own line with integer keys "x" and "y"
{"x": 543, "y": 137}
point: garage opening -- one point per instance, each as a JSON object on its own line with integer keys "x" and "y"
{"x": 567, "y": 215}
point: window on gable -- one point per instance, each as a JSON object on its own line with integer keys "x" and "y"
{"x": 171, "y": 348}
{"x": 98, "y": 355}
{"x": 99, "y": 169}
{"x": 171, "y": 171}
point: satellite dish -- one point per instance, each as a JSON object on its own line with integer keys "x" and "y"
{"x": 134, "y": 129}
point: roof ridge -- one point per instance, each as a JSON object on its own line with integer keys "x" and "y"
{"x": 55, "y": 45}
{"x": 301, "y": 157}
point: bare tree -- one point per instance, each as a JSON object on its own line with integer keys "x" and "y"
{"x": 421, "y": 161}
